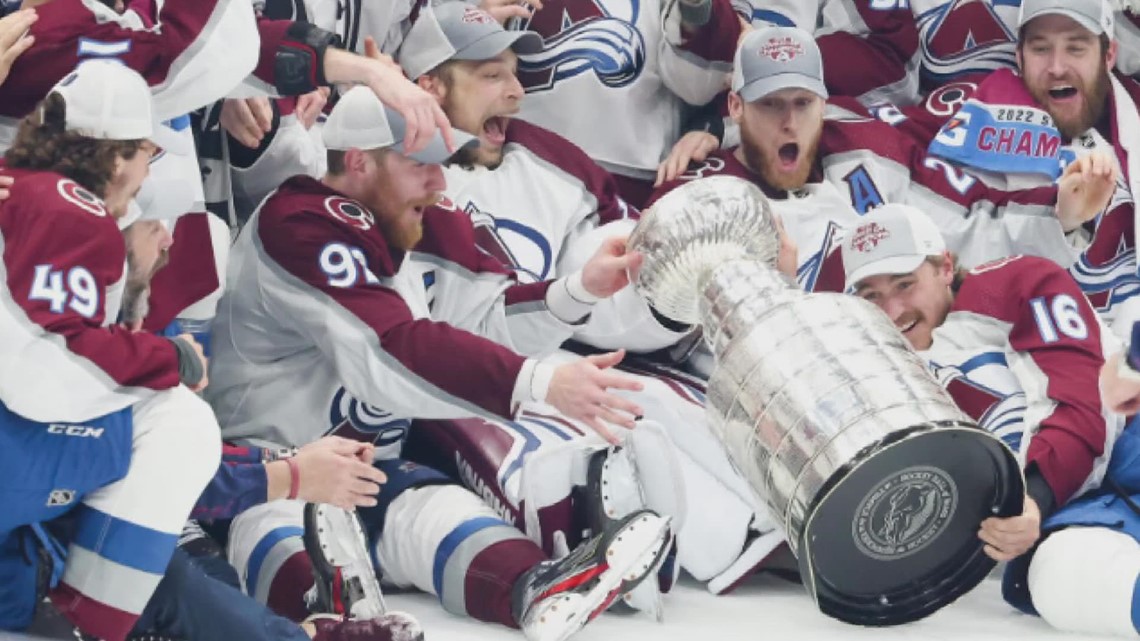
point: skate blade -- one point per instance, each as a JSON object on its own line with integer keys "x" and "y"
{"x": 634, "y": 552}
{"x": 350, "y": 554}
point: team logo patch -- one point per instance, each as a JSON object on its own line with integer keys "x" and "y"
{"x": 59, "y": 498}
{"x": 80, "y": 197}
{"x": 904, "y": 513}
{"x": 472, "y": 15}
{"x": 867, "y": 237}
{"x": 784, "y": 49}
{"x": 351, "y": 212}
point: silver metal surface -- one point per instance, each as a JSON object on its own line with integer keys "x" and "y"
{"x": 804, "y": 383}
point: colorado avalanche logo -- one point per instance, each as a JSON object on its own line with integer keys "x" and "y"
{"x": 358, "y": 421}
{"x": 350, "y": 212}
{"x": 867, "y": 237}
{"x": 783, "y": 49}
{"x": 965, "y": 36}
{"x": 582, "y": 36}
{"x": 521, "y": 249}
{"x": 80, "y": 197}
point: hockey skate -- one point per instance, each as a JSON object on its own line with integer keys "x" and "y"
{"x": 346, "y": 585}
{"x": 556, "y": 598}
{"x": 613, "y": 490}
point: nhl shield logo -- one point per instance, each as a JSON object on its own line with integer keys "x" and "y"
{"x": 868, "y": 237}
{"x": 783, "y": 49}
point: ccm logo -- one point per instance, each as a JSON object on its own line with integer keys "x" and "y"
{"x": 75, "y": 430}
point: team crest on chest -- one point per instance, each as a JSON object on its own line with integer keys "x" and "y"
{"x": 350, "y": 212}
{"x": 80, "y": 197}
{"x": 782, "y": 49}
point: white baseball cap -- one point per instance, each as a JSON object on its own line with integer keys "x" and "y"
{"x": 890, "y": 240}
{"x": 459, "y": 31}
{"x": 107, "y": 100}
{"x": 776, "y": 58}
{"x": 360, "y": 121}
{"x": 1094, "y": 15}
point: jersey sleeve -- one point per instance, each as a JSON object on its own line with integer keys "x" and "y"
{"x": 339, "y": 291}
{"x": 870, "y": 51}
{"x": 695, "y": 64}
{"x": 1056, "y": 339}
{"x": 60, "y": 362}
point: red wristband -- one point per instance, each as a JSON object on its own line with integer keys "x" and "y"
{"x": 294, "y": 478}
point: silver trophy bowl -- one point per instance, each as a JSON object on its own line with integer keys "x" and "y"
{"x": 878, "y": 479}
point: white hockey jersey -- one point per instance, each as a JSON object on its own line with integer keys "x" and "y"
{"x": 543, "y": 213}
{"x": 325, "y": 329}
{"x": 614, "y": 75}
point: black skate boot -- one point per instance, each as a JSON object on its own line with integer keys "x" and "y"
{"x": 346, "y": 584}
{"x": 556, "y": 598}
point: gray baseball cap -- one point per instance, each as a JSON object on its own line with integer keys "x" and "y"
{"x": 459, "y": 31}
{"x": 360, "y": 121}
{"x": 1094, "y": 15}
{"x": 891, "y": 239}
{"x": 776, "y": 58}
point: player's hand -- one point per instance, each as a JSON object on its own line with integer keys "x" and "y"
{"x": 247, "y": 121}
{"x": 5, "y": 183}
{"x": 1008, "y": 538}
{"x": 1121, "y": 393}
{"x": 787, "y": 258}
{"x": 372, "y": 50}
{"x": 504, "y": 10}
{"x": 14, "y": 38}
{"x": 310, "y": 106}
{"x": 694, "y": 146}
{"x": 422, "y": 114}
{"x": 198, "y": 351}
{"x": 338, "y": 471}
{"x": 580, "y": 390}
{"x": 1085, "y": 189}
{"x": 610, "y": 268}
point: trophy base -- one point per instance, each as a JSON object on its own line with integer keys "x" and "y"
{"x": 892, "y": 537}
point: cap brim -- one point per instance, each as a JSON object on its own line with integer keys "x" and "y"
{"x": 1084, "y": 21}
{"x": 891, "y": 266}
{"x": 173, "y": 142}
{"x": 436, "y": 153}
{"x": 757, "y": 89}
{"x": 487, "y": 47}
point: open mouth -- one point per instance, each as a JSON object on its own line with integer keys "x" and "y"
{"x": 495, "y": 130}
{"x": 1062, "y": 92}
{"x": 789, "y": 154}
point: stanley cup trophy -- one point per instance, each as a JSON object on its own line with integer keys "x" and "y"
{"x": 879, "y": 480}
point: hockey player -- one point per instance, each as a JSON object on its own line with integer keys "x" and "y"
{"x": 639, "y": 63}
{"x": 349, "y": 310}
{"x": 824, "y": 167}
{"x": 1022, "y": 129}
{"x": 126, "y": 426}
{"x": 1020, "y": 349}
{"x": 1015, "y": 343}
{"x": 540, "y": 206}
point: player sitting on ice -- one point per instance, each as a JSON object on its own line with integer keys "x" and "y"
{"x": 824, "y": 166}
{"x": 541, "y": 207}
{"x": 353, "y": 305}
{"x": 1020, "y": 349}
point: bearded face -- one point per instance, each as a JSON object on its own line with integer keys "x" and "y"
{"x": 1065, "y": 67}
{"x": 148, "y": 250}
{"x": 398, "y": 191}
{"x": 779, "y": 135}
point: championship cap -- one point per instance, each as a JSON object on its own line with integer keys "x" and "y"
{"x": 776, "y": 58}
{"x": 106, "y": 100}
{"x": 459, "y": 31}
{"x": 1094, "y": 15}
{"x": 360, "y": 121}
{"x": 892, "y": 239}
